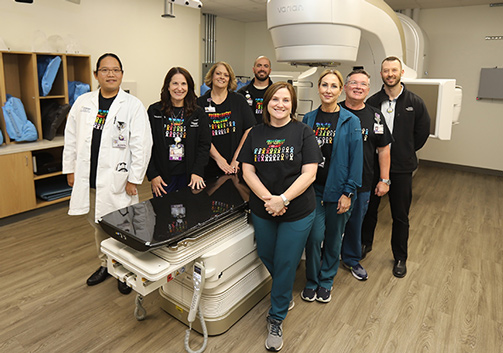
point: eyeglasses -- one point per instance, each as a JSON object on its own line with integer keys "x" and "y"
{"x": 354, "y": 84}
{"x": 106, "y": 71}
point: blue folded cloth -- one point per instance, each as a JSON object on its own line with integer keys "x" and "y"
{"x": 18, "y": 127}
{"x": 75, "y": 89}
{"x": 47, "y": 67}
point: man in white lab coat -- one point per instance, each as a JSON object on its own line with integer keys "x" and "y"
{"x": 107, "y": 148}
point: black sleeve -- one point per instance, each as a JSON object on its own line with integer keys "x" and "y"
{"x": 203, "y": 143}
{"x": 373, "y": 101}
{"x": 311, "y": 152}
{"x": 152, "y": 171}
{"x": 242, "y": 90}
{"x": 245, "y": 112}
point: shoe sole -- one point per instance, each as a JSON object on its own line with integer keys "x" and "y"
{"x": 291, "y": 305}
{"x": 324, "y": 300}
{"x": 321, "y": 300}
{"x": 272, "y": 349}
{"x": 358, "y": 277}
{"x": 399, "y": 275}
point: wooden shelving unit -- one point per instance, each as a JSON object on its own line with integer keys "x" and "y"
{"x": 19, "y": 78}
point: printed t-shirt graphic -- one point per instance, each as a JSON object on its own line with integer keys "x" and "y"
{"x": 221, "y": 123}
{"x": 175, "y": 128}
{"x": 100, "y": 119}
{"x": 273, "y": 151}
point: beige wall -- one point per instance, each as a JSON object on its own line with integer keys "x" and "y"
{"x": 147, "y": 44}
{"x": 458, "y": 50}
{"x": 230, "y": 44}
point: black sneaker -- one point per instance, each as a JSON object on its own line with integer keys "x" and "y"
{"x": 323, "y": 295}
{"x": 308, "y": 294}
{"x": 274, "y": 341}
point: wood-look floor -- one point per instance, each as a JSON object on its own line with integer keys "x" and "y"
{"x": 450, "y": 301}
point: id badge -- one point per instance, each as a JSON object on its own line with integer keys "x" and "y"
{"x": 119, "y": 142}
{"x": 209, "y": 109}
{"x": 176, "y": 152}
{"x": 379, "y": 129}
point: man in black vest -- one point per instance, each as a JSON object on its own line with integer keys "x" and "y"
{"x": 408, "y": 120}
{"x": 254, "y": 91}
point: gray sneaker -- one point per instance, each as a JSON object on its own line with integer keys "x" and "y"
{"x": 274, "y": 341}
{"x": 357, "y": 271}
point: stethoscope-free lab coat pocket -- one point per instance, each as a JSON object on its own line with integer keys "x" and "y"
{"x": 119, "y": 181}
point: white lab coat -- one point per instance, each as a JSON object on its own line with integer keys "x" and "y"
{"x": 116, "y": 165}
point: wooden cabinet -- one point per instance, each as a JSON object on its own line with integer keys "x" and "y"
{"x": 16, "y": 183}
{"x": 19, "y": 78}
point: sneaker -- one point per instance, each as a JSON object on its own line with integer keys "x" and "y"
{"x": 357, "y": 271}
{"x": 291, "y": 305}
{"x": 323, "y": 295}
{"x": 274, "y": 341}
{"x": 308, "y": 294}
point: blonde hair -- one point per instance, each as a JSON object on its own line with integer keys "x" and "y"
{"x": 334, "y": 72}
{"x": 208, "y": 79}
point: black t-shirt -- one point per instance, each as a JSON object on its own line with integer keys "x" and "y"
{"x": 228, "y": 121}
{"x": 99, "y": 123}
{"x": 255, "y": 99}
{"x": 278, "y": 155}
{"x": 369, "y": 119}
{"x": 324, "y": 129}
{"x": 174, "y": 128}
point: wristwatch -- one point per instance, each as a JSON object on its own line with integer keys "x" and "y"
{"x": 348, "y": 194}
{"x": 386, "y": 181}
{"x": 286, "y": 202}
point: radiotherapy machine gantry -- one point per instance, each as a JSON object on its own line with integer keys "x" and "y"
{"x": 358, "y": 33}
{"x": 198, "y": 249}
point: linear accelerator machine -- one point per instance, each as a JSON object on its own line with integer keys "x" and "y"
{"x": 349, "y": 34}
{"x": 198, "y": 250}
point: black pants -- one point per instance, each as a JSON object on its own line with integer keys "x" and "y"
{"x": 400, "y": 198}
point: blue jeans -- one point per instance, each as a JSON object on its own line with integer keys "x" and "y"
{"x": 327, "y": 229}
{"x": 280, "y": 246}
{"x": 351, "y": 252}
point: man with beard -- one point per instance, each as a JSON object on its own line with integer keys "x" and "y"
{"x": 408, "y": 120}
{"x": 254, "y": 91}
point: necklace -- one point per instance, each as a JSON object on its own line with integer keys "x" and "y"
{"x": 175, "y": 117}
{"x": 390, "y": 108}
